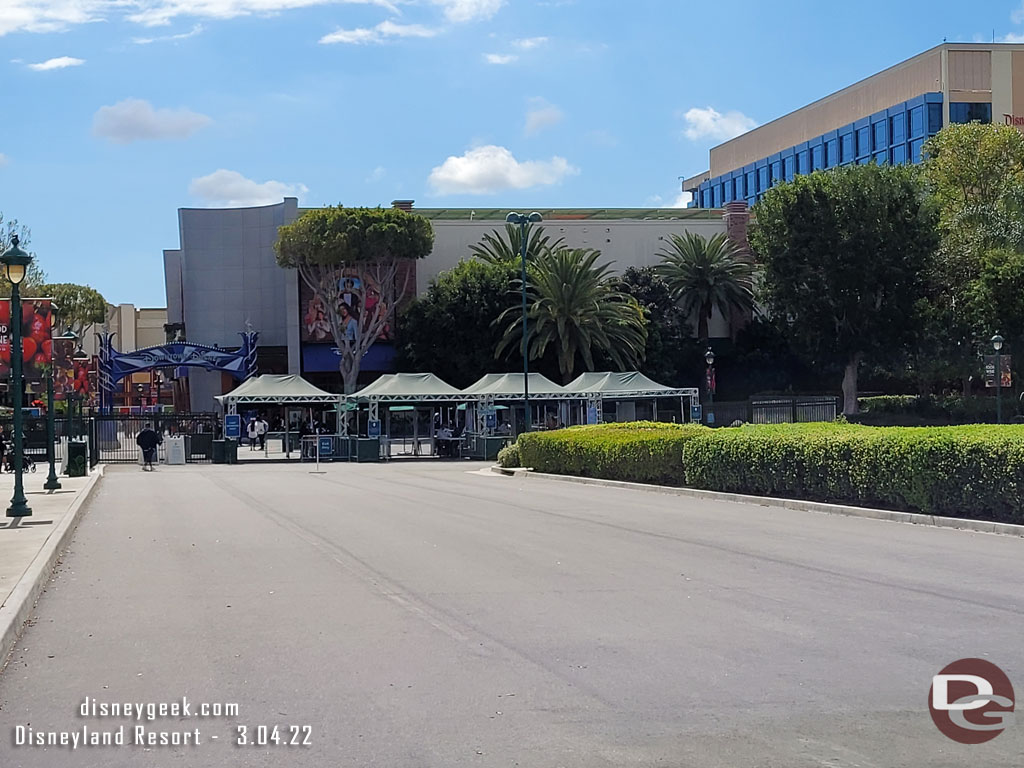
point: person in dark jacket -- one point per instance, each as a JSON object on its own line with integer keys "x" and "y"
{"x": 148, "y": 439}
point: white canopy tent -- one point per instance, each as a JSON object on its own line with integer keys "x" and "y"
{"x": 595, "y": 387}
{"x": 277, "y": 389}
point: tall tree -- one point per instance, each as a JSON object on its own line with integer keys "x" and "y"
{"x": 671, "y": 354}
{"x": 845, "y": 257}
{"x": 704, "y": 275}
{"x": 78, "y": 306}
{"x": 451, "y": 331}
{"x": 326, "y": 243}
{"x": 494, "y": 247}
{"x": 35, "y": 276}
{"x": 576, "y": 307}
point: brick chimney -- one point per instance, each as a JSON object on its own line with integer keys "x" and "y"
{"x": 402, "y": 205}
{"x": 737, "y": 217}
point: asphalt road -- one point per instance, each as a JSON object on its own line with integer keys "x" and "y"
{"x": 418, "y": 614}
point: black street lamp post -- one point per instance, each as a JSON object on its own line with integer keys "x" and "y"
{"x": 52, "y": 483}
{"x": 80, "y": 357}
{"x": 997, "y": 345}
{"x": 523, "y": 221}
{"x": 709, "y": 380}
{"x": 15, "y": 262}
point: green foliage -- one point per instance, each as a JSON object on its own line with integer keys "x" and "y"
{"x": 706, "y": 274}
{"x": 450, "y": 330}
{"x": 509, "y": 456}
{"x": 914, "y": 410}
{"x": 643, "y": 452}
{"x": 966, "y": 471}
{"x": 671, "y": 355}
{"x": 575, "y": 307}
{"x": 34, "y": 276}
{"x": 846, "y": 254}
{"x": 494, "y": 248}
{"x": 78, "y": 306}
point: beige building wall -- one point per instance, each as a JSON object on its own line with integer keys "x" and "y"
{"x": 133, "y": 328}
{"x": 962, "y": 72}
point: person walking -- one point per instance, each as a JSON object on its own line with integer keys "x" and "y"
{"x": 261, "y": 431}
{"x": 148, "y": 439}
{"x": 3, "y": 447}
{"x": 252, "y": 430}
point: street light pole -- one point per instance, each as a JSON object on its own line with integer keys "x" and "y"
{"x": 15, "y": 262}
{"x": 709, "y": 378}
{"x": 997, "y": 344}
{"x": 52, "y": 483}
{"x": 524, "y": 221}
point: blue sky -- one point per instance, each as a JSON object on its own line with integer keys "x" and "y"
{"x": 118, "y": 112}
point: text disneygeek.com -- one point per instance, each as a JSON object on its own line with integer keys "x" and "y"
{"x": 144, "y": 732}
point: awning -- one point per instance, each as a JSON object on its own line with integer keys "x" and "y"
{"x": 509, "y": 386}
{"x": 623, "y": 385}
{"x": 278, "y": 389}
{"x": 408, "y": 388}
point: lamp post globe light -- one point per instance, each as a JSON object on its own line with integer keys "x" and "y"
{"x": 523, "y": 220}
{"x": 997, "y": 345}
{"x": 709, "y": 384}
{"x": 15, "y": 262}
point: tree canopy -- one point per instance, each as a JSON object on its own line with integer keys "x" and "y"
{"x": 78, "y": 306}
{"x": 845, "y": 256}
{"x": 354, "y": 252}
{"x": 506, "y": 245}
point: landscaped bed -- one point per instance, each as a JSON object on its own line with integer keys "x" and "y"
{"x": 974, "y": 471}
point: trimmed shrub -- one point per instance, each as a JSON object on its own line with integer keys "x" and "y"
{"x": 509, "y": 456}
{"x": 642, "y": 452}
{"x": 974, "y": 471}
{"x": 911, "y": 410}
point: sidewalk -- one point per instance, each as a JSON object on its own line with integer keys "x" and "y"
{"x": 30, "y": 546}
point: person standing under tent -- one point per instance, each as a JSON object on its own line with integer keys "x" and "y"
{"x": 252, "y": 432}
{"x": 261, "y": 431}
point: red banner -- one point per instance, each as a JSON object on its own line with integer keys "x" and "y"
{"x": 36, "y": 341}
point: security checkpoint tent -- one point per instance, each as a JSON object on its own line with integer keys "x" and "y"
{"x": 508, "y": 388}
{"x": 276, "y": 389}
{"x": 405, "y": 391}
{"x": 596, "y": 387}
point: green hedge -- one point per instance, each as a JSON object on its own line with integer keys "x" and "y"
{"x": 966, "y": 471}
{"x": 950, "y": 409}
{"x": 509, "y": 456}
{"x": 645, "y": 452}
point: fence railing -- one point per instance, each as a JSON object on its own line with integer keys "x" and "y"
{"x": 112, "y": 436}
{"x": 776, "y": 410}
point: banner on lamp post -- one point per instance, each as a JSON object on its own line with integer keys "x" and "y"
{"x": 1005, "y": 378}
{"x": 36, "y": 338}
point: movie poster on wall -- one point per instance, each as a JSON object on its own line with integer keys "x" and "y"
{"x": 314, "y": 323}
{"x": 36, "y": 332}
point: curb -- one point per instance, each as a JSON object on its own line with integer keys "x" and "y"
{"x": 22, "y": 600}
{"x": 979, "y": 526}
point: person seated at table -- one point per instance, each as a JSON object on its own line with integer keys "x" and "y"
{"x": 550, "y": 422}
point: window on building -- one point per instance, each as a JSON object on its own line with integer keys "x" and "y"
{"x": 863, "y": 141}
{"x": 934, "y": 118}
{"x": 740, "y": 193}
{"x": 882, "y": 157}
{"x": 776, "y": 172}
{"x": 899, "y": 154}
{"x": 917, "y": 122}
{"x": 705, "y": 198}
{"x": 762, "y": 178}
{"x": 965, "y": 112}
{"x": 727, "y": 189}
{"x": 831, "y": 153}
{"x": 846, "y": 151}
{"x": 803, "y": 162}
{"x": 864, "y": 160}
{"x": 915, "y": 150}
{"x": 878, "y": 130}
{"x": 898, "y": 128}
{"x": 788, "y": 167}
{"x": 817, "y": 158}
{"x": 751, "y": 183}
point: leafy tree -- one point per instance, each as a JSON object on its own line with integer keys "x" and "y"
{"x": 671, "y": 354}
{"x": 78, "y": 306}
{"x": 577, "y": 308}
{"x": 451, "y": 330}
{"x": 707, "y": 274}
{"x": 845, "y": 257}
{"x": 996, "y": 300}
{"x": 34, "y": 276}
{"x": 323, "y": 243}
{"x": 494, "y": 248}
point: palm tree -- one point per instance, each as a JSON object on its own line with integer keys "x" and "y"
{"x": 576, "y": 305}
{"x": 705, "y": 274}
{"x": 494, "y": 249}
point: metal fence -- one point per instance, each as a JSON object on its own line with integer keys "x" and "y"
{"x": 777, "y": 410}
{"x": 112, "y": 436}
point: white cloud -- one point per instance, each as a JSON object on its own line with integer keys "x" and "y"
{"x": 58, "y": 63}
{"x": 708, "y": 123}
{"x": 542, "y": 115}
{"x": 197, "y": 29}
{"x": 489, "y": 169}
{"x": 376, "y": 174}
{"x": 50, "y": 15}
{"x": 682, "y": 200}
{"x": 3, "y": 159}
{"x": 232, "y": 189}
{"x": 469, "y": 10}
{"x": 136, "y": 120}
{"x": 1017, "y": 16}
{"x": 500, "y": 58}
{"x": 158, "y": 12}
{"x": 1011, "y": 37}
{"x": 378, "y": 34}
{"x": 529, "y": 43}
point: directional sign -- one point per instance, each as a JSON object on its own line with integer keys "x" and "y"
{"x": 326, "y": 446}
{"x": 233, "y": 426}
{"x": 695, "y": 414}
{"x": 373, "y": 428}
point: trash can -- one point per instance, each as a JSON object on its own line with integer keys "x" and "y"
{"x": 78, "y": 458}
{"x": 218, "y": 452}
{"x": 230, "y": 450}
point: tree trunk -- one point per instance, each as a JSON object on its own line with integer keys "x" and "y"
{"x": 966, "y": 380}
{"x": 702, "y": 326}
{"x": 850, "y": 385}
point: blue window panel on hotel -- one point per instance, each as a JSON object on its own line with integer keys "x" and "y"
{"x": 751, "y": 183}
{"x": 864, "y": 160}
{"x": 881, "y": 140}
{"x": 788, "y": 167}
{"x": 740, "y": 194}
{"x": 898, "y": 128}
{"x": 882, "y": 157}
{"x": 964, "y": 112}
{"x": 762, "y": 178}
{"x": 817, "y": 158}
{"x": 776, "y": 172}
{"x": 915, "y": 150}
{"x": 705, "y": 199}
{"x": 832, "y": 153}
{"x": 846, "y": 151}
{"x": 727, "y": 192}
{"x": 899, "y": 154}
{"x": 916, "y": 122}
{"x": 934, "y": 118}
{"x": 803, "y": 162}
{"x": 863, "y": 141}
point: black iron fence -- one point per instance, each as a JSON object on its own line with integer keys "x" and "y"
{"x": 777, "y": 410}
{"x": 112, "y": 436}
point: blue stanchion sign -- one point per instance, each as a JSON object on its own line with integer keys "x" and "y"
{"x": 326, "y": 446}
{"x": 373, "y": 428}
{"x": 232, "y": 426}
{"x": 695, "y": 414}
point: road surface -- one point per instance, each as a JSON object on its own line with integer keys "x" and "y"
{"x": 422, "y": 614}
